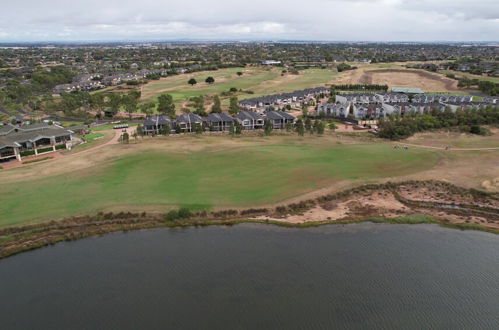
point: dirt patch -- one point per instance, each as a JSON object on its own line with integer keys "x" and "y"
{"x": 425, "y": 80}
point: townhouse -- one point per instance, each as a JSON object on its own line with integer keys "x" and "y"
{"x": 280, "y": 119}
{"x": 219, "y": 121}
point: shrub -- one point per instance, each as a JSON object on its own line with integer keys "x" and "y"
{"x": 27, "y": 153}
{"x": 172, "y": 215}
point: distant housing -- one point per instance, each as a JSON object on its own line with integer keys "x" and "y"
{"x": 270, "y": 62}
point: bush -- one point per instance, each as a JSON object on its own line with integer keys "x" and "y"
{"x": 27, "y": 153}
{"x": 182, "y": 213}
{"x": 478, "y": 130}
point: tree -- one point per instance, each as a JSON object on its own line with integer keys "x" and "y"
{"x": 166, "y": 105}
{"x": 320, "y": 127}
{"x": 210, "y": 80}
{"x": 304, "y": 111}
{"x": 238, "y": 128}
{"x": 198, "y": 128}
{"x": 147, "y": 108}
{"x": 192, "y": 82}
{"x": 114, "y": 103}
{"x": 289, "y": 127}
{"x": 125, "y": 138}
{"x": 140, "y": 130}
{"x": 234, "y": 105}
{"x": 135, "y": 135}
{"x": 199, "y": 105}
{"x": 239, "y": 73}
{"x": 332, "y": 126}
{"x": 97, "y": 102}
{"x": 300, "y": 129}
{"x": 216, "y": 108}
{"x": 131, "y": 102}
{"x": 268, "y": 127}
{"x": 165, "y": 130}
{"x": 308, "y": 125}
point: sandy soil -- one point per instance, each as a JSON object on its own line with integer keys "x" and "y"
{"x": 383, "y": 204}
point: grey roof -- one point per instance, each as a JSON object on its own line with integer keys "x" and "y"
{"x": 271, "y": 99}
{"x": 18, "y": 136}
{"x": 219, "y": 117}
{"x": 4, "y": 130}
{"x": 189, "y": 118}
{"x": 279, "y": 115}
{"x": 159, "y": 120}
{"x": 248, "y": 115}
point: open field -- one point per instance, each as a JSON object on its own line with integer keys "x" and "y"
{"x": 460, "y": 74}
{"x": 215, "y": 172}
{"x": 397, "y": 75}
{"x": 261, "y": 81}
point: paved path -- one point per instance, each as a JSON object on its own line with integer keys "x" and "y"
{"x": 444, "y": 148}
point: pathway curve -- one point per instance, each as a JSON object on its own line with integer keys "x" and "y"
{"x": 445, "y": 148}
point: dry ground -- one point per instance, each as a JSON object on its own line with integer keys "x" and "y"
{"x": 396, "y": 75}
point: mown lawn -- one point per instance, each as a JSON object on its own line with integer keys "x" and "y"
{"x": 261, "y": 82}
{"x": 244, "y": 176}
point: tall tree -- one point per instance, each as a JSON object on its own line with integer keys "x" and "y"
{"x": 300, "y": 129}
{"x": 131, "y": 102}
{"x": 268, "y": 127}
{"x": 166, "y": 105}
{"x": 199, "y": 105}
{"x": 308, "y": 125}
{"x": 234, "y": 105}
{"x": 114, "y": 103}
{"x": 192, "y": 82}
{"x": 217, "y": 107}
{"x": 147, "y": 108}
{"x": 210, "y": 80}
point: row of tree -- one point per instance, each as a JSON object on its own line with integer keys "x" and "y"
{"x": 396, "y": 127}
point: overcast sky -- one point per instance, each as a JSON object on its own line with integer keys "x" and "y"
{"x": 334, "y": 20}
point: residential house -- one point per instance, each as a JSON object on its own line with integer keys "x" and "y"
{"x": 220, "y": 121}
{"x": 250, "y": 120}
{"x": 279, "y": 119}
{"x": 187, "y": 122}
{"x": 156, "y": 124}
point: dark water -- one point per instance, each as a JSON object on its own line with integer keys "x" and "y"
{"x": 258, "y": 277}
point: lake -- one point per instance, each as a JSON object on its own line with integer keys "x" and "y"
{"x": 249, "y": 276}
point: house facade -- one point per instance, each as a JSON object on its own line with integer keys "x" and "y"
{"x": 17, "y": 142}
{"x": 156, "y": 124}
{"x": 250, "y": 120}
{"x": 219, "y": 121}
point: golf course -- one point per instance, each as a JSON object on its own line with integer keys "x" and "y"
{"x": 214, "y": 172}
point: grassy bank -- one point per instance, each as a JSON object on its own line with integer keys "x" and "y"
{"x": 12, "y": 242}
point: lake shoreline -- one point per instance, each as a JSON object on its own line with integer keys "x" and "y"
{"x": 410, "y": 202}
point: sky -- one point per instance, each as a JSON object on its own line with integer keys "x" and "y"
{"x": 327, "y": 20}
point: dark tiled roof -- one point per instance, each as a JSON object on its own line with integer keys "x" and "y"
{"x": 248, "y": 115}
{"x": 159, "y": 120}
{"x": 279, "y": 115}
{"x": 218, "y": 117}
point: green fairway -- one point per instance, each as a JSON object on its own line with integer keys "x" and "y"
{"x": 241, "y": 177}
{"x": 258, "y": 80}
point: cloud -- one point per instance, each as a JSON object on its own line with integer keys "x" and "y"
{"x": 375, "y": 20}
